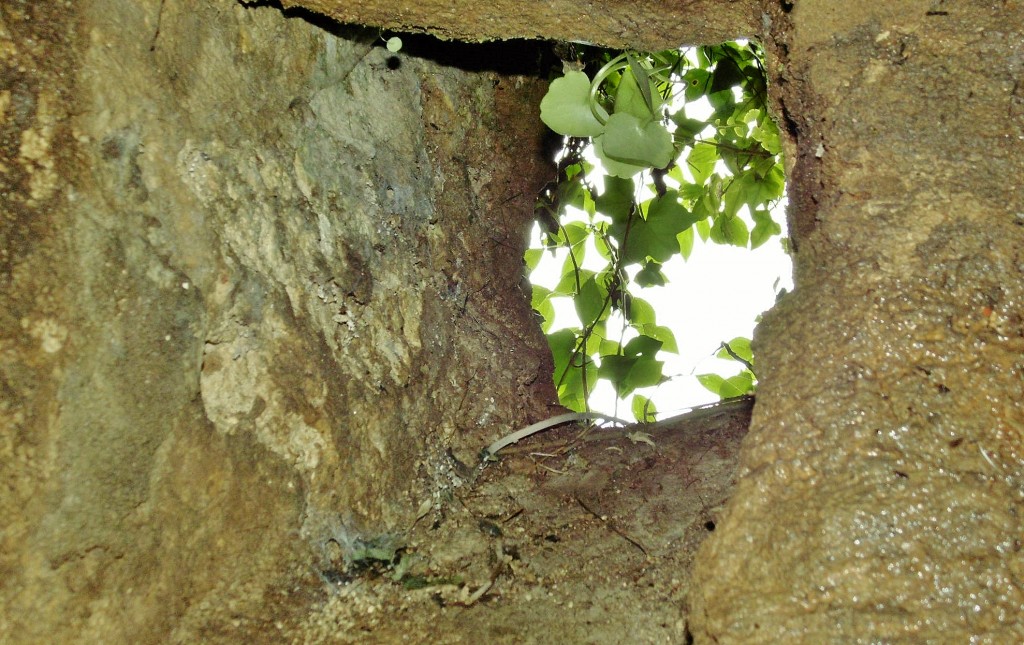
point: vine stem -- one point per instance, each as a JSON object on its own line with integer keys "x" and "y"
{"x": 611, "y": 66}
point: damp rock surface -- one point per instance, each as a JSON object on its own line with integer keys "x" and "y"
{"x": 881, "y": 490}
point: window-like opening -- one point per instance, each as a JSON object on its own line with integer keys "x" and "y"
{"x": 661, "y": 240}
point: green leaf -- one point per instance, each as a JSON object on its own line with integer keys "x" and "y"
{"x": 571, "y": 193}
{"x": 642, "y": 346}
{"x": 690, "y": 193}
{"x": 639, "y": 69}
{"x": 570, "y": 277}
{"x": 627, "y": 373}
{"x": 634, "y": 98}
{"x": 727, "y": 388}
{"x": 742, "y": 383}
{"x": 641, "y": 312}
{"x": 562, "y": 344}
{"x": 713, "y": 194}
{"x": 763, "y": 165}
{"x": 740, "y": 346}
{"x": 614, "y": 167}
{"x": 727, "y": 75}
{"x": 566, "y": 108}
{"x": 748, "y": 189}
{"x": 598, "y": 335}
{"x": 734, "y": 159}
{"x": 767, "y": 133}
{"x": 646, "y": 372}
{"x": 602, "y": 248}
{"x": 663, "y": 335}
{"x": 615, "y": 369}
{"x": 697, "y": 82}
{"x": 644, "y": 409}
{"x": 629, "y": 140}
{"x": 608, "y": 347}
{"x": 617, "y": 199}
{"x": 687, "y": 129}
{"x": 591, "y": 302}
{"x": 764, "y": 228}
{"x": 685, "y": 240}
{"x": 540, "y": 301}
{"x": 703, "y": 229}
{"x": 655, "y": 236}
{"x": 532, "y": 258}
{"x": 723, "y": 103}
{"x": 730, "y": 230}
{"x": 568, "y": 378}
{"x": 597, "y": 339}
{"x": 576, "y": 232}
{"x": 701, "y": 160}
{"x": 712, "y": 382}
{"x": 651, "y": 275}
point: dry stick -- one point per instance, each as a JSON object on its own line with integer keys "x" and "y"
{"x": 695, "y": 412}
{"x": 611, "y": 525}
{"x": 508, "y": 440}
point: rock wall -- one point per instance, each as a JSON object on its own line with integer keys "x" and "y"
{"x": 645, "y": 24}
{"x": 257, "y": 277}
{"x": 260, "y": 283}
{"x": 881, "y": 490}
{"x": 881, "y": 494}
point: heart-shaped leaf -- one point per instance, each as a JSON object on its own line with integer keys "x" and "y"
{"x": 566, "y": 107}
{"x": 614, "y": 167}
{"x": 655, "y": 235}
{"x": 628, "y": 140}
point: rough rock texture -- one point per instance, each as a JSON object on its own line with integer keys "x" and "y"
{"x": 646, "y": 24}
{"x": 256, "y": 280}
{"x": 882, "y": 498}
{"x": 574, "y": 537}
{"x": 258, "y": 277}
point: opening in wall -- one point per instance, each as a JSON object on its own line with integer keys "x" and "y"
{"x": 661, "y": 239}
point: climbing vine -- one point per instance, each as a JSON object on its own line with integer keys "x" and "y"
{"x": 638, "y": 179}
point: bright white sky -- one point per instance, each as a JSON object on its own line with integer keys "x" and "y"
{"x": 711, "y": 298}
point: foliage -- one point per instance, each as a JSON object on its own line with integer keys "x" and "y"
{"x": 666, "y": 177}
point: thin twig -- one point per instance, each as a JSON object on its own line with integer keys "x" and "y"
{"x": 611, "y": 525}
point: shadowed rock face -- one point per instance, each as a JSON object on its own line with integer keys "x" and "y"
{"x": 256, "y": 279}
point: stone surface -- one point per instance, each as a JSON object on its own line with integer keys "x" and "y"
{"x": 259, "y": 296}
{"x": 881, "y": 496}
{"x": 641, "y": 24}
{"x": 574, "y": 536}
{"x": 259, "y": 278}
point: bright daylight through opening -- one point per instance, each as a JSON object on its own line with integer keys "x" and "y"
{"x": 661, "y": 241}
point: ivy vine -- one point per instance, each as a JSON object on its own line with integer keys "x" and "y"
{"x": 663, "y": 178}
